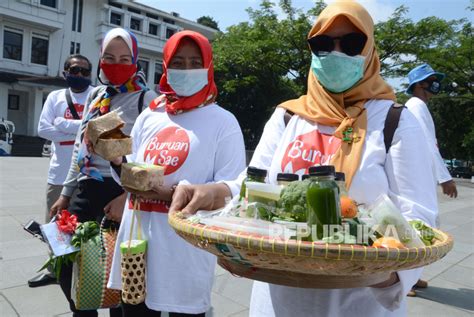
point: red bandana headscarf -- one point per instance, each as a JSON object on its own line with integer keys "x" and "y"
{"x": 176, "y": 104}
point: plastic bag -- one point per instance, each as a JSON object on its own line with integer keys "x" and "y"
{"x": 390, "y": 222}
{"x": 249, "y": 225}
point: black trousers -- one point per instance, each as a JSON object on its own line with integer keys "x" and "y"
{"x": 89, "y": 205}
{"x": 143, "y": 311}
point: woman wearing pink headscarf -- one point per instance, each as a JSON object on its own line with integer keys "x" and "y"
{"x": 124, "y": 91}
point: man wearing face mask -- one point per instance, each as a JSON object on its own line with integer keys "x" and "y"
{"x": 59, "y": 122}
{"x": 424, "y": 84}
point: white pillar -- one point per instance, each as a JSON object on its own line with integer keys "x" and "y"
{"x": 3, "y": 101}
{"x": 163, "y": 31}
{"x": 57, "y": 52}
{"x": 36, "y": 105}
{"x": 151, "y": 73}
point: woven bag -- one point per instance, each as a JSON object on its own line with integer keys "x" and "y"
{"x": 91, "y": 272}
{"x": 133, "y": 263}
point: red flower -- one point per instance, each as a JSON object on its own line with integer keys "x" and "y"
{"x": 66, "y": 222}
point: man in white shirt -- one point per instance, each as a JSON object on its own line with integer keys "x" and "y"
{"x": 424, "y": 84}
{"x": 59, "y": 122}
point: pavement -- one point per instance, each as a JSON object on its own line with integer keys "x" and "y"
{"x": 22, "y": 197}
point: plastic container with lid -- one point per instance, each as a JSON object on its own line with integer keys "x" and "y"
{"x": 340, "y": 179}
{"x": 253, "y": 175}
{"x": 262, "y": 200}
{"x": 323, "y": 200}
{"x": 286, "y": 178}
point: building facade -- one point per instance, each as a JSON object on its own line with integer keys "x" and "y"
{"x": 36, "y": 37}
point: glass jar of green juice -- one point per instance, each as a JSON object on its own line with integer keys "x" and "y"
{"x": 253, "y": 175}
{"x": 340, "y": 179}
{"x": 286, "y": 178}
{"x": 323, "y": 200}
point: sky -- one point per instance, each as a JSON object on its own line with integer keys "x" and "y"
{"x": 230, "y": 12}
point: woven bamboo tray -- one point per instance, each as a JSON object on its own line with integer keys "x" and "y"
{"x": 305, "y": 264}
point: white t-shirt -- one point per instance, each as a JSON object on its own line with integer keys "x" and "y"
{"x": 58, "y": 125}
{"x": 200, "y": 146}
{"x": 419, "y": 109}
{"x": 403, "y": 174}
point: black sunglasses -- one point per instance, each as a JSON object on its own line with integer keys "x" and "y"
{"x": 76, "y": 70}
{"x": 351, "y": 44}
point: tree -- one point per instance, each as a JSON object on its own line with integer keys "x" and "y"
{"x": 261, "y": 63}
{"x": 448, "y": 46}
{"x": 266, "y": 61}
{"x": 208, "y": 21}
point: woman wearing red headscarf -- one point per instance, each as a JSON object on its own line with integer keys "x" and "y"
{"x": 198, "y": 142}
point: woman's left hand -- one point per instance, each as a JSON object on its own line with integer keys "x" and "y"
{"x": 114, "y": 209}
{"x": 158, "y": 193}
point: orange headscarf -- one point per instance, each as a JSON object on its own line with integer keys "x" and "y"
{"x": 346, "y": 109}
{"x": 206, "y": 95}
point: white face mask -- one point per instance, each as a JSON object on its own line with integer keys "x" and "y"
{"x": 187, "y": 82}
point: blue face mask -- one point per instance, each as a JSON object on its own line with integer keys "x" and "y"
{"x": 77, "y": 82}
{"x": 337, "y": 72}
{"x": 187, "y": 82}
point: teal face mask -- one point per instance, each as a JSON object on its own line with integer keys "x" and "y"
{"x": 338, "y": 72}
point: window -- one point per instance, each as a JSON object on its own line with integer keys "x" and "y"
{"x": 134, "y": 10}
{"x": 135, "y": 24}
{"x": 75, "y": 48}
{"x": 152, "y": 16}
{"x": 144, "y": 66}
{"x": 13, "y": 102}
{"x": 74, "y": 15}
{"x": 169, "y": 21}
{"x": 12, "y": 45}
{"x": 116, "y": 18}
{"x": 49, "y": 3}
{"x": 77, "y": 15}
{"x": 113, "y": 4}
{"x": 153, "y": 29}
{"x": 169, "y": 33}
{"x": 158, "y": 72}
{"x": 39, "y": 50}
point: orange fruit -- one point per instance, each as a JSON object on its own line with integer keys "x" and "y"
{"x": 348, "y": 207}
{"x": 388, "y": 242}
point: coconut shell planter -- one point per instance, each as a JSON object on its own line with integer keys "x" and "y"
{"x": 107, "y": 138}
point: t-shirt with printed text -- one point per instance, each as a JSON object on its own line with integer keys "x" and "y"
{"x": 58, "y": 125}
{"x": 403, "y": 174}
{"x": 199, "y": 146}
